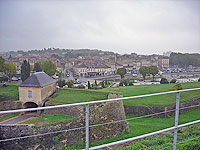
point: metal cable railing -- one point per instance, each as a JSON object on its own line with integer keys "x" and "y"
{"x": 110, "y": 100}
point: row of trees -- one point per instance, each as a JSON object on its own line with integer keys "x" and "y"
{"x": 184, "y": 60}
{"x": 8, "y": 68}
{"x": 144, "y": 70}
{"x": 47, "y": 66}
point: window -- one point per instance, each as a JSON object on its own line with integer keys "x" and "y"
{"x": 30, "y": 94}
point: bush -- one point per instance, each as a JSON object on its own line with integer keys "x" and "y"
{"x": 3, "y": 78}
{"x": 164, "y": 81}
{"x": 81, "y": 86}
{"x": 61, "y": 83}
{"x": 130, "y": 84}
{"x": 178, "y": 86}
{"x": 70, "y": 83}
{"x": 173, "y": 81}
{"x": 199, "y": 80}
{"x": 121, "y": 84}
{"x": 192, "y": 145}
{"x": 125, "y": 81}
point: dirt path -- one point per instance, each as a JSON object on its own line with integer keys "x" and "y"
{"x": 18, "y": 119}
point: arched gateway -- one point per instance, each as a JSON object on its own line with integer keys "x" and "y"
{"x": 36, "y": 89}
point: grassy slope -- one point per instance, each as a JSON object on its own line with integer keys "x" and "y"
{"x": 8, "y": 116}
{"x": 49, "y": 119}
{"x": 162, "y": 100}
{"x": 9, "y": 93}
{"x": 147, "y": 125}
{"x": 75, "y": 96}
{"x": 69, "y": 96}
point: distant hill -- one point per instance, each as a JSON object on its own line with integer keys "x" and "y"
{"x": 184, "y": 60}
{"x": 71, "y": 53}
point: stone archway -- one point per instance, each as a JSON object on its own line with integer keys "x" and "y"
{"x": 30, "y": 105}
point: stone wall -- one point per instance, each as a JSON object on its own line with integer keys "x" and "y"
{"x": 99, "y": 113}
{"x": 9, "y": 105}
{"x": 146, "y": 110}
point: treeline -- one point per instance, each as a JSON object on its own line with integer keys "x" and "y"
{"x": 184, "y": 60}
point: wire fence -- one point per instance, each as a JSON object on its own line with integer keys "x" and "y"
{"x": 87, "y": 126}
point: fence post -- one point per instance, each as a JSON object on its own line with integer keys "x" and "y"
{"x": 87, "y": 126}
{"x": 176, "y": 119}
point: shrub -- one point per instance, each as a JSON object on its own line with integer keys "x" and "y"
{"x": 173, "y": 81}
{"x": 125, "y": 81}
{"x": 61, "y": 83}
{"x": 178, "y": 86}
{"x": 3, "y": 78}
{"x": 164, "y": 81}
{"x": 70, "y": 83}
{"x": 121, "y": 84}
{"x": 130, "y": 84}
{"x": 192, "y": 145}
{"x": 199, "y": 80}
{"x": 81, "y": 86}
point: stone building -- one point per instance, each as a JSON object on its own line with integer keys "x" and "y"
{"x": 163, "y": 62}
{"x": 35, "y": 90}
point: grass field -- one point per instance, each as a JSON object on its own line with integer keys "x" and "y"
{"x": 68, "y": 96}
{"x": 146, "y": 125}
{"x": 49, "y": 119}
{"x": 8, "y": 116}
{"x": 9, "y": 93}
{"x": 165, "y": 141}
{"x": 75, "y": 96}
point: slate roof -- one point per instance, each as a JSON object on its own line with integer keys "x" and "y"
{"x": 38, "y": 79}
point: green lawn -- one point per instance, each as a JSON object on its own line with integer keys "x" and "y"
{"x": 146, "y": 125}
{"x": 162, "y": 100}
{"x": 166, "y": 141}
{"x": 68, "y": 96}
{"x": 9, "y": 93}
{"x": 49, "y": 119}
{"x": 8, "y": 116}
{"x": 75, "y": 96}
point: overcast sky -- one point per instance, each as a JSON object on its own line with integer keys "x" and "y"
{"x": 123, "y": 26}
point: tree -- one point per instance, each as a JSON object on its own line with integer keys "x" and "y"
{"x": 164, "y": 81}
{"x": 121, "y": 72}
{"x": 70, "y": 83}
{"x": 153, "y": 70}
{"x": 144, "y": 71}
{"x": 25, "y": 70}
{"x": 89, "y": 86}
{"x": 10, "y": 70}
{"x": 31, "y": 67}
{"x": 37, "y": 67}
{"x": 48, "y": 67}
{"x": 61, "y": 83}
{"x": 2, "y": 64}
{"x": 102, "y": 84}
{"x": 95, "y": 82}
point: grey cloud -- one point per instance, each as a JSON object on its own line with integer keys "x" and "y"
{"x": 122, "y": 26}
